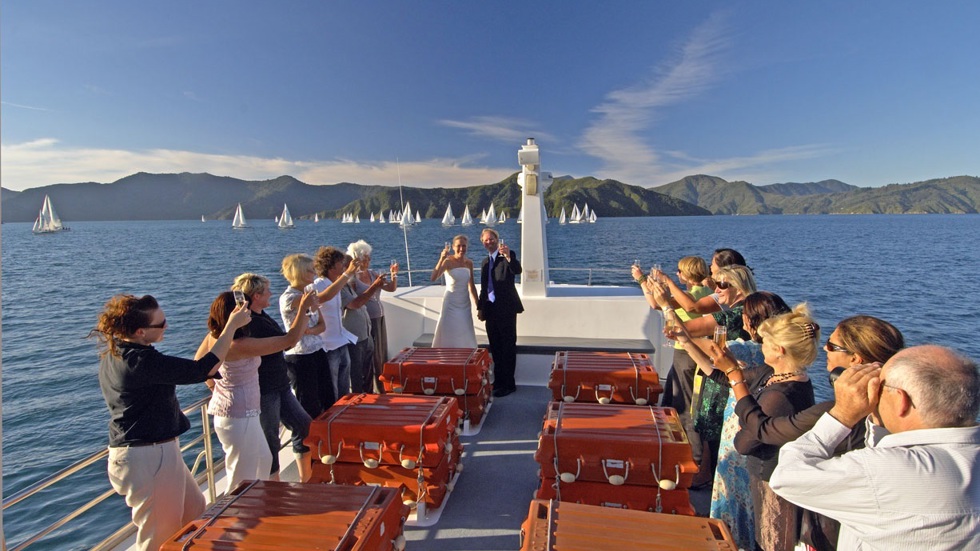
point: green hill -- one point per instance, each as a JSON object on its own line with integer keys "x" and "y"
{"x": 960, "y": 194}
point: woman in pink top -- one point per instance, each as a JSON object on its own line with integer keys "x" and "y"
{"x": 235, "y": 402}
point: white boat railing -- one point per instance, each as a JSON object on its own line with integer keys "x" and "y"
{"x": 592, "y": 276}
{"x": 210, "y": 468}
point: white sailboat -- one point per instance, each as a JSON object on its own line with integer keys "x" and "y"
{"x": 576, "y": 216}
{"x": 483, "y": 216}
{"x": 585, "y": 213}
{"x": 562, "y": 219}
{"x": 391, "y": 217}
{"x": 47, "y": 219}
{"x": 407, "y": 219}
{"x": 357, "y": 218}
{"x": 418, "y": 217}
{"x": 467, "y": 220}
{"x": 448, "y": 219}
{"x": 202, "y": 218}
{"x": 592, "y": 218}
{"x": 503, "y": 218}
{"x": 239, "y": 221}
{"x": 285, "y": 220}
{"x": 372, "y": 218}
{"x": 316, "y": 217}
{"x": 491, "y": 217}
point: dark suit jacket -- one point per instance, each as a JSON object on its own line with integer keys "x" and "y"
{"x": 505, "y": 295}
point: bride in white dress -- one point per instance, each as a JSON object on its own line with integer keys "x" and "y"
{"x": 455, "y": 326}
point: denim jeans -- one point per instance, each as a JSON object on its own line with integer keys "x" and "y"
{"x": 339, "y": 362}
{"x": 283, "y": 406}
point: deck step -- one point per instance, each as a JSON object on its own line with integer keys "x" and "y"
{"x": 550, "y": 345}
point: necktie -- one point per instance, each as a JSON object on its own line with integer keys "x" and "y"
{"x": 490, "y": 295}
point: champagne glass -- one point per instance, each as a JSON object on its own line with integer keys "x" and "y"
{"x": 393, "y": 267}
{"x": 721, "y": 336}
{"x": 311, "y": 288}
{"x": 653, "y": 271}
{"x": 670, "y": 324}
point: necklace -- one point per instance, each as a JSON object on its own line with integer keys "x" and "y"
{"x": 780, "y": 377}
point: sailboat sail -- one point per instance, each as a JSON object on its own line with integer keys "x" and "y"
{"x": 491, "y": 217}
{"x": 592, "y": 217}
{"x": 202, "y": 218}
{"x": 585, "y": 213}
{"x": 467, "y": 219}
{"x": 407, "y": 218}
{"x": 47, "y": 219}
{"x": 239, "y": 221}
{"x": 316, "y": 217}
{"x": 576, "y": 216}
{"x": 285, "y": 220}
{"x": 372, "y": 218}
{"x": 562, "y": 219}
{"x": 418, "y": 217}
{"x": 503, "y": 218}
{"x": 448, "y": 219}
{"x": 357, "y": 218}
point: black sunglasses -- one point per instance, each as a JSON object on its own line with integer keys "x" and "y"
{"x": 831, "y": 347}
{"x": 722, "y": 284}
{"x": 160, "y": 325}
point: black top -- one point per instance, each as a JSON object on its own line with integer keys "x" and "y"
{"x": 139, "y": 387}
{"x": 272, "y": 370}
{"x": 776, "y": 400}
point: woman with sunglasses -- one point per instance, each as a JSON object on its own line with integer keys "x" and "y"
{"x": 856, "y": 340}
{"x": 236, "y": 398}
{"x": 722, "y": 258}
{"x": 703, "y": 423}
{"x": 139, "y": 387}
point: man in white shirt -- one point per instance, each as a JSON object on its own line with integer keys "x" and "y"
{"x": 916, "y": 485}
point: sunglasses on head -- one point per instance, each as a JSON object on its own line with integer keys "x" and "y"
{"x": 722, "y": 284}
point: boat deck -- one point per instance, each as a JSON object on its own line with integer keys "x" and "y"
{"x": 499, "y": 478}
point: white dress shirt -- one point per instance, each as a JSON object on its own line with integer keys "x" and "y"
{"x": 914, "y": 490}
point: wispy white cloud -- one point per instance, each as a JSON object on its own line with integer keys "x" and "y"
{"x": 46, "y": 161}
{"x": 22, "y": 106}
{"x": 615, "y": 136}
{"x": 502, "y": 129}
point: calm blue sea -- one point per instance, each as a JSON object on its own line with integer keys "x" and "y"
{"x": 904, "y": 269}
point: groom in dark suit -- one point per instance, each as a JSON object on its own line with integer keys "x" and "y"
{"x": 498, "y": 306}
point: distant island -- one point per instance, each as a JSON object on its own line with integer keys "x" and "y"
{"x": 188, "y": 196}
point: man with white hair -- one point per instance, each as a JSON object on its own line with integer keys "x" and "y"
{"x": 916, "y": 485}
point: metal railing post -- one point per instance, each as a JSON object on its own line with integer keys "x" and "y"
{"x": 208, "y": 457}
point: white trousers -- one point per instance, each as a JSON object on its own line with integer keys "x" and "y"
{"x": 158, "y": 487}
{"x": 247, "y": 455}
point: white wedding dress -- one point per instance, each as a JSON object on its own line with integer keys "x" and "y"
{"x": 455, "y": 326}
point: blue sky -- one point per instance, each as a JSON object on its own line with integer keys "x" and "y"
{"x": 444, "y": 93}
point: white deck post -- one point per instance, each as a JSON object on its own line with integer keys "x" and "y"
{"x": 534, "y": 245}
